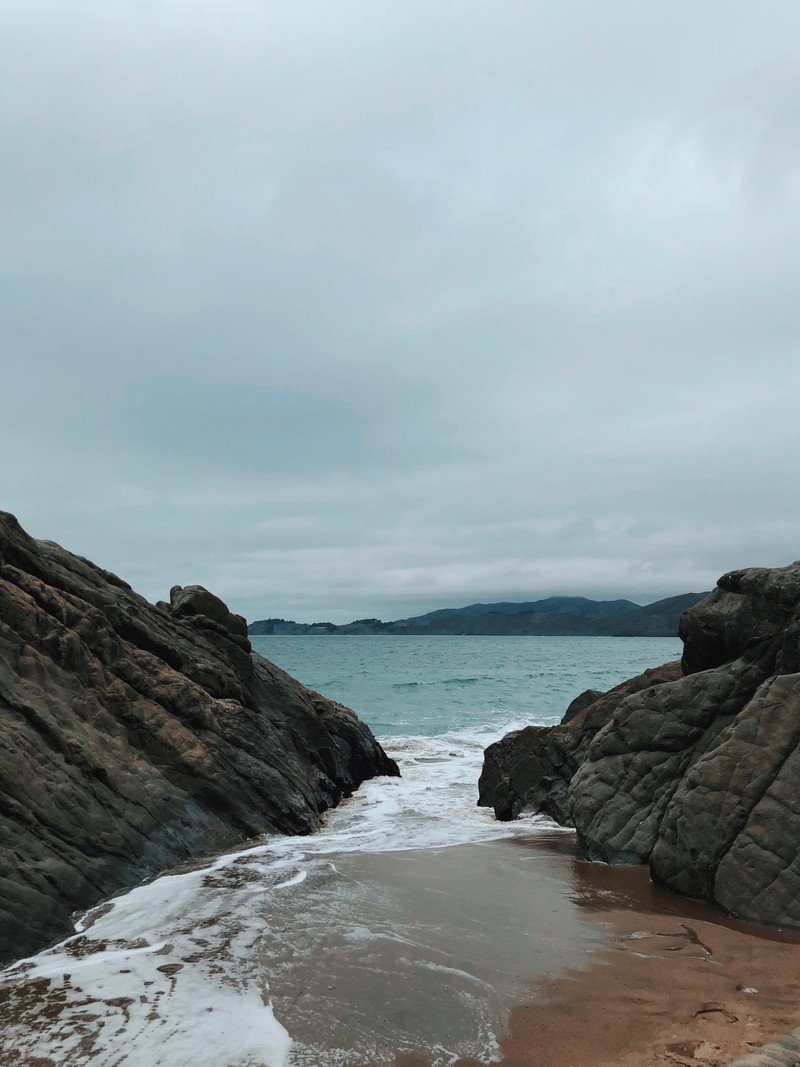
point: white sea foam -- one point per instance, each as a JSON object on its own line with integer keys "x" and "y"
{"x": 177, "y": 971}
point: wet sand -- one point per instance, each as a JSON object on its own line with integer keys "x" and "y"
{"x": 569, "y": 964}
{"x": 676, "y": 984}
{"x": 513, "y": 952}
{"x": 420, "y": 951}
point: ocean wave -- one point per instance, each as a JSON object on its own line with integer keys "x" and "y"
{"x": 434, "y": 682}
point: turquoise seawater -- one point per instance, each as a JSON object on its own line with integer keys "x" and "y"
{"x": 428, "y": 686}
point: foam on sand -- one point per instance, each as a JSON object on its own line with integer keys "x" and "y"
{"x": 179, "y": 970}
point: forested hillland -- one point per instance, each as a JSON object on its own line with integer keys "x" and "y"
{"x": 564, "y": 616}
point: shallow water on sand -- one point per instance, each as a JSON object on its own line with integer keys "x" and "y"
{"x": 424, "y": 954}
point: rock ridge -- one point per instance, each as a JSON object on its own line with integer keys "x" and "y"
{"x": 138, "y": 736}
{"x": 691, "y": 768}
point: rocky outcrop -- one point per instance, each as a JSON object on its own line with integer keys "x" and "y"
{"x": 695, "y": 775}
{"x": 530, "y": 770}
{"x": 136, "y": 736}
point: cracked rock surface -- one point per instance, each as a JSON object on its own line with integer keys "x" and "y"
{"x": 693, "y": 770}
{"x": 137, "y": 736}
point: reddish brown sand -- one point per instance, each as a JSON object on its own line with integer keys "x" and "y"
{"x": 676, "y": 985}
{"x": 568, "y": 963}
{"x": 406, "y": 959}
{"x": 676, "y": 995}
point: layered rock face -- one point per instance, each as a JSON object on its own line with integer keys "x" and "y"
{"x": 694, "y": 771}
{"x": 530, "y": 770}
{"x": 136, "y": 736}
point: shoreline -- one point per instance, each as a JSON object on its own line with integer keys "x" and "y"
{"x": 675, "y": 983}
{"x": 619, "y": 973}
{"x": 512, "y": 952}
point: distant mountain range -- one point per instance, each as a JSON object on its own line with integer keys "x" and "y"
{"x": 556, "y": 616}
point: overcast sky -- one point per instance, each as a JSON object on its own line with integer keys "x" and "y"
{"x": 355, "y": 307}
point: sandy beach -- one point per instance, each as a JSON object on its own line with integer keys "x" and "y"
{"x": 513, "y": 952}
{"x": 568, "y": 963}
{"x": 675, "y": 983}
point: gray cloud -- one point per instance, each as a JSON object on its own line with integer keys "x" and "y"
{"x": 366, "y": 308}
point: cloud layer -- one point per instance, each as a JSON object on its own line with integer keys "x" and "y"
{"x": 347, "y": 309}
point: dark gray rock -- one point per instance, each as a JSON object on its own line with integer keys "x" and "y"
{"x": 195, "y": 602}
{"x": 529, "y": 770}
{"x": 633, "y": 766}
{"x": 581, "y": 701}
{"x": 743, "y": 615}
{"x": 135, "y": 736}
{"x": 696, "y": 775}
{"x": 732, "y": 831}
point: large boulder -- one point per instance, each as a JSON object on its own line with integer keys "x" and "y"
{"x": 632, "y": 769}
{"x": 195, "y": 602}
{"x": 695, "y": 775}
{"x": 530, "y": 770}
{"x": 747, "y": 611}
{"x": 136, "y": 736}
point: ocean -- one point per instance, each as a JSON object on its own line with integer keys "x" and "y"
{"x": 287, "y": 952}
{"x": 434, "y": 686}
